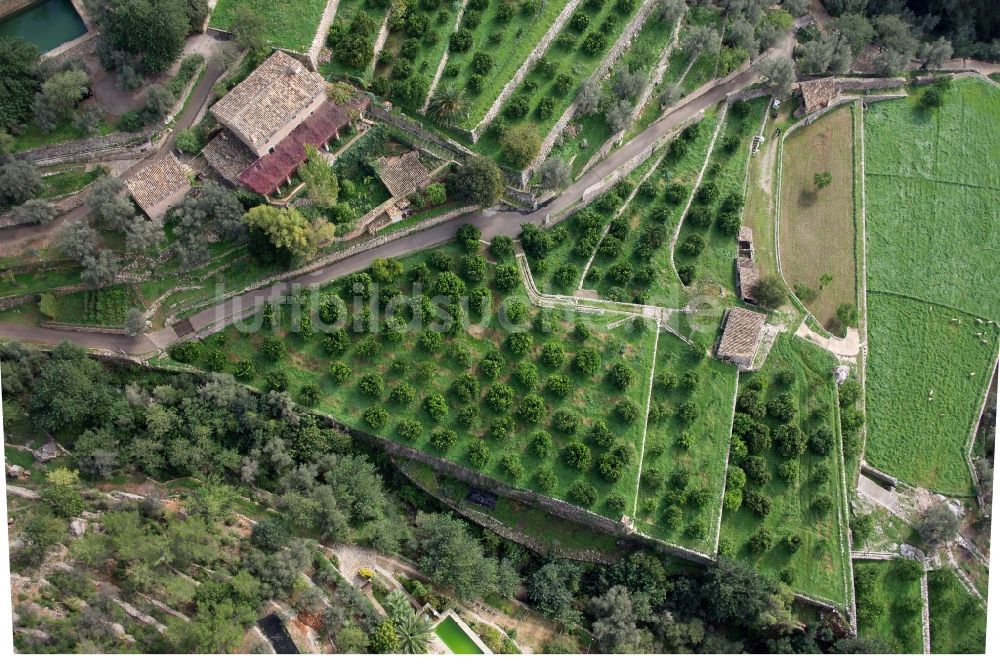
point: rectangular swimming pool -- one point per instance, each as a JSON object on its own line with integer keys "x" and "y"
{"x": 46, "y": 24}
{"x": 455, "y": 638}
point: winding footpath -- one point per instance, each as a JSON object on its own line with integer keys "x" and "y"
{"x": 491, "y": 223}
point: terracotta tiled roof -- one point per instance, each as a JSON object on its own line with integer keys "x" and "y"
{"x": 741, "y": 334}
{"x": 402, "y": 175}
{"x": 268, "y": 172}
{"x": 748, "y": 279}
{"x": 818, "y": 94}
{"x": 229, "y": 156}
{"x": 157, "y": 183}
{"x": 268, "y": 99}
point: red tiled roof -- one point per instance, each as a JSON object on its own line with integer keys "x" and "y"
{"x": 267, "y": 173}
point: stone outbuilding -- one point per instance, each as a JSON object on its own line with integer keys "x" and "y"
{"x": 742, "y": 331}
{"x": 159, "y": 185}
{"x": 747, "y": 274}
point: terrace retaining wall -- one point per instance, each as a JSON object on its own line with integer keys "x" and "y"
{"x": 406, "y": 124}
{"x": 116, "y": 145}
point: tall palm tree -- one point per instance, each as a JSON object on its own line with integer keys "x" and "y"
{"x": 414, "y": 633}
{"x": 449, "y": 105}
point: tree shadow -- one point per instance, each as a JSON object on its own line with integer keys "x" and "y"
{"x": 807, "y": 198}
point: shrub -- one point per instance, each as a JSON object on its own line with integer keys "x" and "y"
{"x": 788, "y": 471}
{"x": 277, "y": 380}
{"x": 376, "y": 417}
{"x": 409, "y": 428}
{"x": 577, "y": 455}
{"x": 558, "y": 385}
{"x": 339, "y": 371}
{"x": 500, "y": 397}
{"x": 760, "y": 542}
{"x": 545, "y": 478}
{"x": 532, "y": 409}
{"x": 693, "y": 245}
{"x": 443, "y": 439}
{"x": 822, "y": 504}
{"x": 583, "y": 493}
{"x": 627, "y": 410}
{"x": 821, "y": 442}
{"x": 621, "y": 376}
{"x": 756, "y": 470}
{"x": 511, "y": 465}
{"x": 541, "y": 444}
{"x": 501, "y": 427}
{"x": 272, "y": 349}
{"x": 371, "y": 385}
{"x": 789, "y": 440}
{"x": 436, "y": 407}
{"x": 479, "y": 454}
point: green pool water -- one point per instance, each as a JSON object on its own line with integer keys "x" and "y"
{"x": 46, "y": 24}
{"x": 457, "y": 640}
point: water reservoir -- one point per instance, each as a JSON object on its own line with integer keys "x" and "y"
{"x": 47, "y": 24}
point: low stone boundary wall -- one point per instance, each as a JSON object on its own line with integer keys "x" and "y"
{"x": 11, "y": 301}
{"x": 97, "y": 148}
{"x": 69, "y": 327}
{"x": 850, "y": 83}
{"x": 34, "y": 267}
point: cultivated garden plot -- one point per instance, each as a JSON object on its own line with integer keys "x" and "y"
{"x": 928, "y": 367}
{"x": 933, "y": 198}
{"x": 958, "y": 621}
{"x": 545, "y": 408}
{"x": 706, "y": 247}
{"x": 102, "y": 307}
{"x": 784, "y": 493}
{"x": 817, "y": 231}
{"x": 890, "y": 604}
{"x": 495, "y": 38}
{"x": 684, "y": 466}
{"x": 288, "y": 24}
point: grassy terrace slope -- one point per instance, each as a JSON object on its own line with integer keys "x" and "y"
{"x": 817, "y": 226}
{"x": 289, "y": 24}
{"x": 684, "y": 470}
{"x": 518, "y": 37}
{"x": 932, "y": 180}
{"x": 819, "y": 565}
{"x": 958, "y": 621}
{"x": 494, "y": 427}
{"x": 889, "y": 604}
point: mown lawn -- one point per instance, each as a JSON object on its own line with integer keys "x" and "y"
{"x": 927, "y": 372}
{"x": 819, "y": 564}
{"x": 510, "y": 458}
{"x": 291, "y": 24}
{"x": 691, "y": 479}
{"x": 889, "y": 604}
{"x": 958, "y": 621}
{"x": 933, "y": 198}
{"x": 817, "y": 225}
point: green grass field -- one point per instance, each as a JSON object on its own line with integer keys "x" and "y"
{"x": 926, "y": 380}
{"x": 819, "y": 566}
{"x": 933, "y": 190}
{"x": 704, "y": 462}
{"x": 933, "y": 209}
{"x": 817, "y": 225}
{"x": 889, "y": 606}
{"x": 291, "y": 24}
{"x": 590, "y": 399}
{"x": 958, "y": 621}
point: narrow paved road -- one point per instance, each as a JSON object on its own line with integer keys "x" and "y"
{"x": 490, "y": 223}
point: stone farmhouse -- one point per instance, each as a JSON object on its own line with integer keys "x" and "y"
{"x": 742, "y": 331}
{"x": 269, "y": 118}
